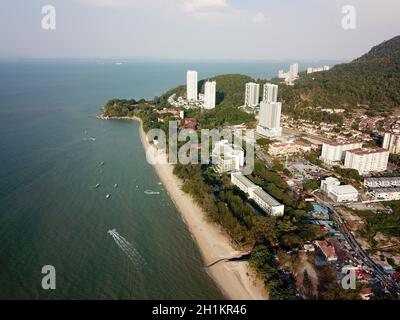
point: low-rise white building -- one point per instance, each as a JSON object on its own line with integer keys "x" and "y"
{"x": 256, "y": 193}
{"x": 227, "y": 156}
{"x": 339, "y": 193}
{"x": 367, "y": 160}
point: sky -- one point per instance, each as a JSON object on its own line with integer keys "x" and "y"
{"x": 196, "y": 29}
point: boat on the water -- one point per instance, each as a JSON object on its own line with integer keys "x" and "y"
{"x": 116, "y": 186}
{"x": 108, "y": 196}
{"x": 97, "y": 186}
{"x": 102, "y": 163}
{"x": 150, "y": 192}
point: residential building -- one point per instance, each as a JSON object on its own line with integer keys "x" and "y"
{"x": 333, "y": 152}
{"x": 327, "y": 250}
{"x": 190, "y": 123}
{"x": 383, "y": 182}
{"x": 367, "y": 160}
{"x": 386, "y": 194}
{"x": 266, "y": 202}
{"x": 339, "y": 193}
{"x": 321, "y": 69}
{"x": 270, "y": 93}
{"x": 269, "y": 124}
{"x": 191, "y": 83}
{"x": 210, "y": 94}
{"x": 227, "y": 157}
{"x": 391, "y": 142}
{"x": 252, "y": 96}
{"x": 290, "y": 148}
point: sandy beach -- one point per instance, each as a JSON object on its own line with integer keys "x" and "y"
{"x": 235, "y": 279}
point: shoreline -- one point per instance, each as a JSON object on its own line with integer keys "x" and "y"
{"x": 236, "y": 280}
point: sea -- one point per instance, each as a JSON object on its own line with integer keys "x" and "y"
{"x": 77, "y": 193}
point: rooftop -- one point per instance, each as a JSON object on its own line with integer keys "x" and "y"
{"x": 244, "y": 180}
{"x": 366, "y": 151}
{"x": 334, "y": 143}
{"x": 346, "y": 189}
{"x": 267, "y": 198}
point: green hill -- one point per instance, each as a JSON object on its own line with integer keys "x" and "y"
{"x": 371, "y": 81}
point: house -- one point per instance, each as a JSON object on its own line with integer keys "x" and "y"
{"x": 327, "y": 250}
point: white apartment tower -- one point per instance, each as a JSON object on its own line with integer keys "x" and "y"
{"x": 252, "y": 95}
{"x": 391, "y": 142}
{"x": 270, "y": 93}
{"x": 191, "y": 83}
{"x": 210, "y": 93}
{"x": 294, "y": 71}
{"x": 269, "y": 124}
{"x": 367, "y": 160}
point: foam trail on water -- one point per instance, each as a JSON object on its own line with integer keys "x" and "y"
{"x": 127, "y": 248}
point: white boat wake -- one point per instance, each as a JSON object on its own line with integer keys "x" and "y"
{"x": 127, "y": 248}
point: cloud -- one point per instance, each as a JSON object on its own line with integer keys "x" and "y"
{"x": 195, "y": 6}
{"x": 259, "y": 18}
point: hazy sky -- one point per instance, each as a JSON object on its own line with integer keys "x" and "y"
{"x": 196, "y": 29}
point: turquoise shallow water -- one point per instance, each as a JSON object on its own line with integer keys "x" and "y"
{"x": 50, "y": 211}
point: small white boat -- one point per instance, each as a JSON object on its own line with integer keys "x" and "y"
{"x": 97, "y": 186}
{"x": 116, "y": 186}
{"x": 108, "y": 196}
{"x": 102, "y": 164}
{"x": 150, "y": 192}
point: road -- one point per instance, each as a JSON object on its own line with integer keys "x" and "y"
{"x": 360, "y": 253}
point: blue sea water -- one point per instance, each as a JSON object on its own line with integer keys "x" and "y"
{"x": 51, "y": 213}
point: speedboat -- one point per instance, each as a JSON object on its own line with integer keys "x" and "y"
{"x": 108, "y": 196}
{"x": 97, "y": 186}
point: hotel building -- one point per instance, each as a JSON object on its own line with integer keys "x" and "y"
{"x": 266, "y": 202}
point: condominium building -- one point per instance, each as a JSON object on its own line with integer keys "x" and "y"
{"x": 339, "y": 193}
{"x": 191, "y": 83}
{"x": 269, "y": 124}
{"x": 210, "y": 93}
{"x": 367, "y": 160}
{"x": 252, "y": 97}
{"x": 391, "y": 142}
{"x": 270, "y": 93}
{"x": 336, "y": 152}
{"x": 227, "y": 157}
{"x": 266, "y": 202}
